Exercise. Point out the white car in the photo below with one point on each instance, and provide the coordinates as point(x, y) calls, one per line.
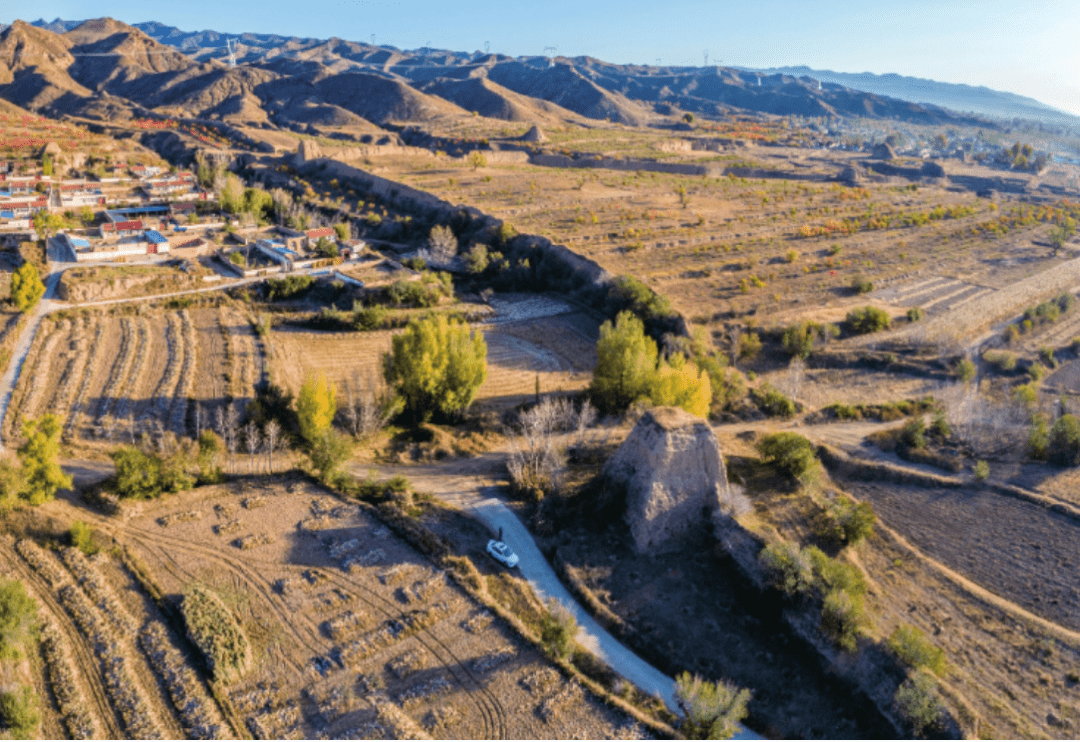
point(502, 553)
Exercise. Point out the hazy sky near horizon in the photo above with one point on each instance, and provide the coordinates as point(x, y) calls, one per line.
point(1028, 48)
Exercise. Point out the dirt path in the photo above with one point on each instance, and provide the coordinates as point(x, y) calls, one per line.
point(22, 345)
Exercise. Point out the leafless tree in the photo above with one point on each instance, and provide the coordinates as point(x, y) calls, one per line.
point(369, 405)
point(583, 421)
point(108, 427)
point(273, 440)
point(794, 377)
point(253, 441)
point(230, 424)
point(992, 429)
point(442, 245)
point(283, 203)
point(536, 458)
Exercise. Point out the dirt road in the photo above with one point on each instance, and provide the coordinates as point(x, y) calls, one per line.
point(22, 345)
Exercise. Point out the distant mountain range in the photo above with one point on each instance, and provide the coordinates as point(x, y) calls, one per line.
point(106, 69)
point(957, 97)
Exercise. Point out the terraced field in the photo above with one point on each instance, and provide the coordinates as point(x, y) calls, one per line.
point(111, 375)
point(114, 667)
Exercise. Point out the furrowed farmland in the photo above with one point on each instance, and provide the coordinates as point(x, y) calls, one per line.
point(350, 632)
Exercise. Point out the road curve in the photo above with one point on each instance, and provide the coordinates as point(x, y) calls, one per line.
point(484, 503)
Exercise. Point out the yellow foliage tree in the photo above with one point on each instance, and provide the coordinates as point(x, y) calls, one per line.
point(316, 406)
point(679, 384)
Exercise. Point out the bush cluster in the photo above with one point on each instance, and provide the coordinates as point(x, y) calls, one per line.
point(788, 454)
point(884, 412)
point(773, 402)
point(809, 572)
point(846, 522)
point(865, 320)
point(915, 651)
point(216, 632)
point(798, 340)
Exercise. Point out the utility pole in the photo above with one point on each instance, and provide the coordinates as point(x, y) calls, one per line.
point(487, 47)
point(705, 54)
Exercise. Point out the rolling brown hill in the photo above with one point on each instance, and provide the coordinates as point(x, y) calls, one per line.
point(107, 69)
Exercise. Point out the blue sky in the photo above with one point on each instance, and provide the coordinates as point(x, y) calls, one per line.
point(1028, 48)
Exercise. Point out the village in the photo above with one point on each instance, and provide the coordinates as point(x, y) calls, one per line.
point(147, 214)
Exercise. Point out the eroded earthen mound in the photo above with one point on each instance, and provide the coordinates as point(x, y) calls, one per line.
point(673, 474)
point(534, 135)
point(882, 151)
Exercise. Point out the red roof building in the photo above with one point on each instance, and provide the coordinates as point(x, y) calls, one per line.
point(314, 234)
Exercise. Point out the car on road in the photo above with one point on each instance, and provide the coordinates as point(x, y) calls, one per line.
point(502, 553)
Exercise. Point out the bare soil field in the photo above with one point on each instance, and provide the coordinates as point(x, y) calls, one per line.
point(354, 634)
point(527, 340)
point(1018, 550)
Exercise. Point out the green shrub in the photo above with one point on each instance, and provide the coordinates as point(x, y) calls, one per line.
point(18, 619)
point(1027, 394)
point(798, 340)
point(913, 434)
point(143, 475)
point(788, 454)
point(632, 295)
point(843, 618)
point(290, 287)
point(917, 700)
point(939, 428)
point(834, 574)
point(854, 519)
point(82, 538)
point(790, 570)
point(215, 631)
point(1003, 360)
point(965, 370)
point(1046, 355)
point(557, 629)
point(914, 314)
point(477, 258)
point(865, 320)
point(368, 318)
point(861, 285)
point(710, 710)
point(912, 648)
point(1038, 443)
point(1063, 447)
point(19, 712)
point(749, 346)
point(773, 402)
